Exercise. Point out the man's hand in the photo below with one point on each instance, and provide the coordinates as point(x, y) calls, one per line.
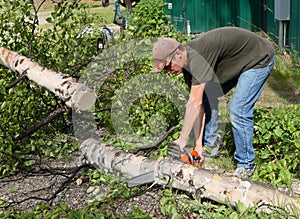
point(199, 149)
point(181, 143)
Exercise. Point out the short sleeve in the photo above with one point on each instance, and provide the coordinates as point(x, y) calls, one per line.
point(199, 68)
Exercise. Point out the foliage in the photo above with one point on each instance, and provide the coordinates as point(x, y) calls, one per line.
point(287, 69)
point(277, 141)
point(149, 19)
point(134, 104)
point(150, 114)
point(22, 106)
point(61, 211)
point(146, 111)
point(66, 47)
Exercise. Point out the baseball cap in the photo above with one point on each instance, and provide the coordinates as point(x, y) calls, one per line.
point(163, 48)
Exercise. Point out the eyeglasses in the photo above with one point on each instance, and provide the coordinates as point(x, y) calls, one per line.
point(168, 67)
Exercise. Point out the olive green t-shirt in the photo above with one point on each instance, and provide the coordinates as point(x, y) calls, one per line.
point(225, 52)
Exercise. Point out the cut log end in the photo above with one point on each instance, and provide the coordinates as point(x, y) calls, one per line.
point(84, 100)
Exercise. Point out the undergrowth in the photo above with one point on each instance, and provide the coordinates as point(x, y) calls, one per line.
point(276, 137)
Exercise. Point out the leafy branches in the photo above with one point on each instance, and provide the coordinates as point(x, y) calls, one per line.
point(58, 48)
point(149, 19)
point(277, 139)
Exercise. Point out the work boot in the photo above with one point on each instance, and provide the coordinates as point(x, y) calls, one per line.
point(211, 151)
point(243, 172)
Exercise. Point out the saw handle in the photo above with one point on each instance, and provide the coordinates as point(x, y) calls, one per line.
point(189, 154)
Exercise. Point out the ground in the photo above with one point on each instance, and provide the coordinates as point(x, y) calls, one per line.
point(61, 181)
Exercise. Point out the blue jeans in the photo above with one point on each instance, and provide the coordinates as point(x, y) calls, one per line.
point(249, 86)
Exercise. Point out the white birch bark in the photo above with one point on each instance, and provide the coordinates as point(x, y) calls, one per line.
point(223, 188)
point(75, 95)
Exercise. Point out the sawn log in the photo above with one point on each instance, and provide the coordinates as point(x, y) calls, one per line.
point(75, 95)
point(223, 188)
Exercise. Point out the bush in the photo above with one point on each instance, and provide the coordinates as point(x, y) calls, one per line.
point(277, 143)
point(149, 19)
point(58, 48)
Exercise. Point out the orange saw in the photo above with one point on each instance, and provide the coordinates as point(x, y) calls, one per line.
point(188, 156)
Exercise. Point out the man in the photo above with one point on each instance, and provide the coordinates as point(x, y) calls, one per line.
point(212, 65)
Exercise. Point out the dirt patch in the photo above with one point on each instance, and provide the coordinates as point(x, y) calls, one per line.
point(63, 182)
point(49, 3)
point(48, 182)
point(276, 98)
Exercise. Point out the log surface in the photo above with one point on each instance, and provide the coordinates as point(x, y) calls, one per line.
point(223, 188)
point(75, 95)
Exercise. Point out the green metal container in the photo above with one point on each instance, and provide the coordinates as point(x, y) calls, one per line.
point(199, 16)
point(294, 30)
point(203, 15)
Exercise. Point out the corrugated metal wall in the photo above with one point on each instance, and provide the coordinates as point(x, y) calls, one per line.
point(204, 15)
point(294, 30)
point(208, 14)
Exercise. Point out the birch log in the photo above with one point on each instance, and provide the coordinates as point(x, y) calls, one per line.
point(223, 188)
point(75, 95)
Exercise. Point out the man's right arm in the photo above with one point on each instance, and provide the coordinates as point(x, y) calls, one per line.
point(194, 111)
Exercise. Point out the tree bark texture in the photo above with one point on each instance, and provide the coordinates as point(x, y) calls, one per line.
point(223, 188)
point(75, 95)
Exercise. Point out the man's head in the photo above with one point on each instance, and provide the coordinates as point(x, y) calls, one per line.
point(168, 55)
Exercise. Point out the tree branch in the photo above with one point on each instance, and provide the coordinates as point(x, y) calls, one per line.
point(34, 128)
point(155, 144)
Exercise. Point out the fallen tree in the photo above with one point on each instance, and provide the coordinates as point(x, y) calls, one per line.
point(138, 170)
point(223, 188)
point(75, 95)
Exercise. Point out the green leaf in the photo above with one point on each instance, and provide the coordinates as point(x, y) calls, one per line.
point(3, 105)
point(292, 129)
point(27, 163)
point(168, 192)
point(297, 143)
point(265, 154)
point(233, 215)
point(176, 135)
point(175, 215)
point(278, 132)
point(49, 20)
point(241, 207)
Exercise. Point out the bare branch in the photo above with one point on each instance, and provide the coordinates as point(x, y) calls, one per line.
point(155, 144)
point(34, 128)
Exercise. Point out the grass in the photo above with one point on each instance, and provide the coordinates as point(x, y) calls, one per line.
point(48, 4)
point(284, 83)
point(101, 15)
point(106, 13)
point(288, 71)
